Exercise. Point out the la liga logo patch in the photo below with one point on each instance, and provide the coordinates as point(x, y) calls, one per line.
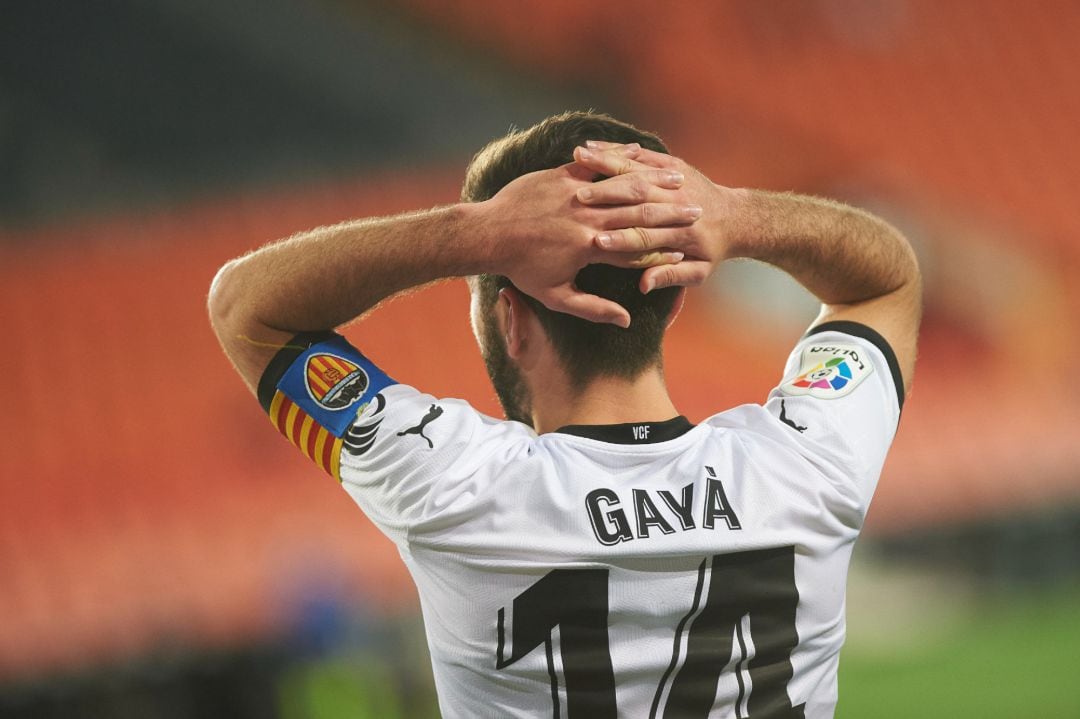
point(334, 382)
point(829, 371)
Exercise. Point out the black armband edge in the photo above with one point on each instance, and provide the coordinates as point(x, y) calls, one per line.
point(857, 329)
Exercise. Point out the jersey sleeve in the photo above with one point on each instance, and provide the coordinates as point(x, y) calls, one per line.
point(407, 458)
point(839, 402)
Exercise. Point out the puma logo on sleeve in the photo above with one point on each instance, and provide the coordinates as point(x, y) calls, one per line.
point(432, 414)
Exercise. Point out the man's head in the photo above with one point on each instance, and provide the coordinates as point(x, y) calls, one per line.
point(585, 350)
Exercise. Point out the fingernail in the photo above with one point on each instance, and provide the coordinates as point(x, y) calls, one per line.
point(624, 322)
point(603, 239)
point(585, 193)
point(677, 256)
point(692, 211)
point(649, 284)
point(591, 144)
point(633, 147)
point(585, 154)
point(675, 176)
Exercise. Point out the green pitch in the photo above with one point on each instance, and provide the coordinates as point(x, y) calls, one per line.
point(1019, 658)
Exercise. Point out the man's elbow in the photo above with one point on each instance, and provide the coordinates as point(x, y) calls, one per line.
point(224, 300)
point(908, 262)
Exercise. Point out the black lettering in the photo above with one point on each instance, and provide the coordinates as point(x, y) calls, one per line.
point(685, 510)
point(648, 515)
point(717, 506)
point(839, 351)
point(761, 584)
point(601, 520)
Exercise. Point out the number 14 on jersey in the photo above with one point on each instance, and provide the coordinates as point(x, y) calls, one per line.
point(741, 600)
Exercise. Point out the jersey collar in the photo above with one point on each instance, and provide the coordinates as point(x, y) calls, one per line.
point(631, 432)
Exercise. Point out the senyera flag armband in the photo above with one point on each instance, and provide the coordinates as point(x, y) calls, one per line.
point(314, 388)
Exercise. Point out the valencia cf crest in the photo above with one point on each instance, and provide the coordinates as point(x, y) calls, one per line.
point(334, 382)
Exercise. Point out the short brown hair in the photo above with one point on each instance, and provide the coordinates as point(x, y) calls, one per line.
point(588, 350)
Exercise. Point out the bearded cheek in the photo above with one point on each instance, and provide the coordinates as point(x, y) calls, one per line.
point(505, 377)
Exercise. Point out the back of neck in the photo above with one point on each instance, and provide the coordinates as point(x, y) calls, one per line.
point(606, 400)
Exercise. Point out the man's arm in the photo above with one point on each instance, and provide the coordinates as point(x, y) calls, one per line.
point(860, 267)
point(534, 231)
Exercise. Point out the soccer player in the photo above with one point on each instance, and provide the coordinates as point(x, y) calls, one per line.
point(596, 554)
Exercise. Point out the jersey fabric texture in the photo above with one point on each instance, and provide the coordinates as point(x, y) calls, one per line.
point(652, 569)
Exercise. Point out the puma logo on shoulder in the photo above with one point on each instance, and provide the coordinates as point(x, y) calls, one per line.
point(432, 414)
point(788, 422)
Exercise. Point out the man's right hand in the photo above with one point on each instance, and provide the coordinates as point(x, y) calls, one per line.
point(860, 267)
point(705, 244)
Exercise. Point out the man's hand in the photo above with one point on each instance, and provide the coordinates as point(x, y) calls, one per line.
point(541, 234)
point(860, 267)
point(705, 243)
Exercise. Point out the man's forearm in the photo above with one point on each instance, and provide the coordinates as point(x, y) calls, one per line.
point(860, 267)
point(325, 277)
point(841, 254)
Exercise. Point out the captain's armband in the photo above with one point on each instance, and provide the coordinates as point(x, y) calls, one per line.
point(314, 388)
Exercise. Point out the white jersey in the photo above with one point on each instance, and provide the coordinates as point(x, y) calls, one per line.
point(655, 569)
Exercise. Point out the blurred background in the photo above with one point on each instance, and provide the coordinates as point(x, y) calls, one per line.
point(164, 553)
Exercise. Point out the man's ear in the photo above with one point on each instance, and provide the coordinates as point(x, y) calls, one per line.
point(515, 321)
point(676, 307)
